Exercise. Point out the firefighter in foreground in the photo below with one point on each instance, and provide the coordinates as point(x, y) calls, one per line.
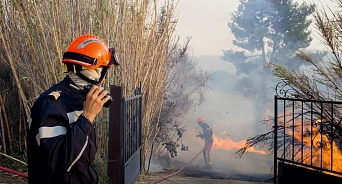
point(61, 140)
point(207, 135)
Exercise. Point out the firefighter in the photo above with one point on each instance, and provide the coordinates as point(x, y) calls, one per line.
point(207, 135)
point(61, 139)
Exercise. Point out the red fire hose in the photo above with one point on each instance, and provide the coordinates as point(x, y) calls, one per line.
point(179, 169)
point(162, 179)
point(14, 172)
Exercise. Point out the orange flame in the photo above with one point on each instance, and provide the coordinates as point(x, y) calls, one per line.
point(229, 144)
point(330, 156)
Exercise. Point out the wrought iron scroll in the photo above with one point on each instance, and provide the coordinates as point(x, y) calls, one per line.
point(285, 90)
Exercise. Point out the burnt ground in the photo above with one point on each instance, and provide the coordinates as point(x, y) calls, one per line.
point(188, 175)
point(225, 169)
point(194, 173)
point(207, 173)
point(199, 171)
point(198, 177)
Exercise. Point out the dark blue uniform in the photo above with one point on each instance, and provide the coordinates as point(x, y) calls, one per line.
point(61, 143)
point(207, 135)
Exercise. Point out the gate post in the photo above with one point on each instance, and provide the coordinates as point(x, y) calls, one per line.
point(275, 167)
point(115, 151)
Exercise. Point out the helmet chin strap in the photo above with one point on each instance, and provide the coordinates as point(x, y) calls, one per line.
point(103, 73)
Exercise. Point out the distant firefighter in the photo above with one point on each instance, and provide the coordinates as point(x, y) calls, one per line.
point(207, 135)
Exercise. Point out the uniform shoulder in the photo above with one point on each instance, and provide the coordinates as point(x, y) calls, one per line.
point(206, 125)
point(54, 95)
point(56, 92)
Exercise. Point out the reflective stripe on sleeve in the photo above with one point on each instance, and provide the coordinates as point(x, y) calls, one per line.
point(29, 121)
point(48, 132)
point(73, 116)
point(79, 155)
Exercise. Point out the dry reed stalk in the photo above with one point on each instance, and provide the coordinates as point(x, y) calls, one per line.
point(20, 131)
point(6, 123)
point(135, 28)
point(2, 131)
point(15, 159)
point(146, 69)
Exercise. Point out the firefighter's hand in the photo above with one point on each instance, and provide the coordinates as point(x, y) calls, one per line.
point(94, 102)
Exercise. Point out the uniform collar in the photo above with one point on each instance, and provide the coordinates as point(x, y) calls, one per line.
point(67, 81)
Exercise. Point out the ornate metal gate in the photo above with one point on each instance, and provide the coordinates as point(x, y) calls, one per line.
point(124, 155)
point(308, 140)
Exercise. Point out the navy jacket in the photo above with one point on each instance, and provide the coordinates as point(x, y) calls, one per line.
point(61, 143)
point(207, 133)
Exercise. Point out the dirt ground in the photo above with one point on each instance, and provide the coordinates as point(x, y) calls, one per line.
point(8, 178)
point(152, 178)
point(182, 178)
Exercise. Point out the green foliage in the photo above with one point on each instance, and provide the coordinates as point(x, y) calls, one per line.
point(245, 65)
point(105, 120)
point(278, 26)
point(250, 24)
point(185, 93)
point(101, 166)
point(283, 23)
point(246, 86)
point(289, 25)
point(269, 31)
point(12, 164)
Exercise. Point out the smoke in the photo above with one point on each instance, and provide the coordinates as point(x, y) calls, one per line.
point(232, 117)
point(158, 164)
point(232, 114)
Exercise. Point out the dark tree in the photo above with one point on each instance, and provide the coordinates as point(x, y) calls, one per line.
point(322, 82)
point(267, 31)
point(270, 29)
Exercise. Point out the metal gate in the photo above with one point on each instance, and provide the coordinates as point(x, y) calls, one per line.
point(124, 165)
point(308, 140)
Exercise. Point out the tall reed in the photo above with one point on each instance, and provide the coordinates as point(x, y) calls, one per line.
point(34, 35)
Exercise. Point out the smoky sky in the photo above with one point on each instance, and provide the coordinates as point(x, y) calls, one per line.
point(206, 22)
point(231, 114)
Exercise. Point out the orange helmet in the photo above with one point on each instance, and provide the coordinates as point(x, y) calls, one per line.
point(89, 51)
point(200, 119)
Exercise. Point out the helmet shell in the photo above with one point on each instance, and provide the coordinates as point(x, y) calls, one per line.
point(200, 119)
point(88, 51)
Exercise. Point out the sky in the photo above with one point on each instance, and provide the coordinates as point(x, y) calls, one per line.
point(206, 22)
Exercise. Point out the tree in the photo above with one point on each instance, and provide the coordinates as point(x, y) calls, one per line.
point(278, 26)
point(321, 82)
point(268, 31)
point(184, 92)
